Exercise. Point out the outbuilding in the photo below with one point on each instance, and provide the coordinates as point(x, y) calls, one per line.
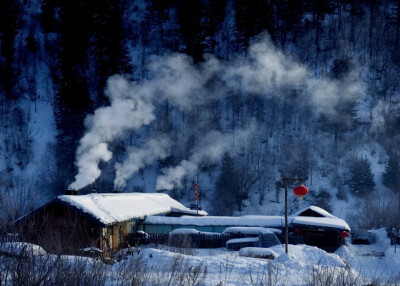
point(103, 221)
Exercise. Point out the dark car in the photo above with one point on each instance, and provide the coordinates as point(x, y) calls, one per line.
point(238, 243)
point(360, 236)
point(255, 237)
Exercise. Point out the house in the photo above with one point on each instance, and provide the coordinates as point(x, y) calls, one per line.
point(317, 227)
point(96, 221)
point(312, 225)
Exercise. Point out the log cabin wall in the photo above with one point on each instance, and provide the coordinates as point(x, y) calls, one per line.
point(58, 229)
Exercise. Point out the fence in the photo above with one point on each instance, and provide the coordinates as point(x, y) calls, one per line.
point(199, 240)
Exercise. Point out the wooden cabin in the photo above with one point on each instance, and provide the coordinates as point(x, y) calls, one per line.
point(98, 221)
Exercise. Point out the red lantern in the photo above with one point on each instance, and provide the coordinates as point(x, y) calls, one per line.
point(300, 191)
point(344, 234)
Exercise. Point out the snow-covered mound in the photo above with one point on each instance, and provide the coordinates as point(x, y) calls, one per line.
point(18, 249)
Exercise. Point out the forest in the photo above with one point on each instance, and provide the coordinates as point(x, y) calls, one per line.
point(147, 95)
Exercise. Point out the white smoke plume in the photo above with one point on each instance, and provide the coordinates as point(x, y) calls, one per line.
point(265, 68)
point(211, 148)
point(127, 112)
point(139, 158)
point(325, 95)
point(264, 71)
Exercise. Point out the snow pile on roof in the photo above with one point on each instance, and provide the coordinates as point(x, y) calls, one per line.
point(335, 223)
point(325, 220)
point(248, 230)
point(315, 209)
point(318, 217)
point(110, 208)
point(188, 231)
point(248, 220)
point(242, 240)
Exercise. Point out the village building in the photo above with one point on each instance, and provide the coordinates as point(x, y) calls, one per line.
point(312, 225)
point(101, 221)
point(105, 221)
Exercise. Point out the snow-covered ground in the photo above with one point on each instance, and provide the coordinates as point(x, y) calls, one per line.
point(301, 266)
point(163, 265)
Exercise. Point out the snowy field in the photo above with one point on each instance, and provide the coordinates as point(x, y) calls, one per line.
point(374, 264)
point(303, 265)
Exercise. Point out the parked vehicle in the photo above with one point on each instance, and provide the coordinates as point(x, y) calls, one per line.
point(360, 236)
point(253, 237)
point(188, 237)
point(238, 243)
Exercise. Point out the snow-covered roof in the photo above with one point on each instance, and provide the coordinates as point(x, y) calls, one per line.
point(318, 217)
point(188, 231)
point(315, 216)
point(327, 222)
point(250, 230)
point(110, 208)
point(315, 209)
point(248, 220)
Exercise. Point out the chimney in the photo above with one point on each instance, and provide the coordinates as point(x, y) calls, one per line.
point(71, 192)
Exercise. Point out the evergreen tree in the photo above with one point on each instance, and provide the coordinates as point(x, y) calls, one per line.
point(214, 15)
point(391, 175)
point(252, 18)
point(48, 16)
point(164, 29)
point(318, 9)
point(226, 187)
point(361, 180)
point(290, 14)
point(323, 200)
point(344, 117)
point(108, 47)
point(190, 16)
point(73, 102)
point(9, 22)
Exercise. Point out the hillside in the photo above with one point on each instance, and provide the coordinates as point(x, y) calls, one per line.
point(145, 95)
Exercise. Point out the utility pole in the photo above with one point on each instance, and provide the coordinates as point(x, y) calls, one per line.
point(286, 181)
point(196, 194)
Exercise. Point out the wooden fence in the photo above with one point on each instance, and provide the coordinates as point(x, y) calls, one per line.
point(199, 240)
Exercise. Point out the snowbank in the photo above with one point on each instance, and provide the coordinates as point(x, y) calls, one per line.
point(257, 252)
point(21, 249)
